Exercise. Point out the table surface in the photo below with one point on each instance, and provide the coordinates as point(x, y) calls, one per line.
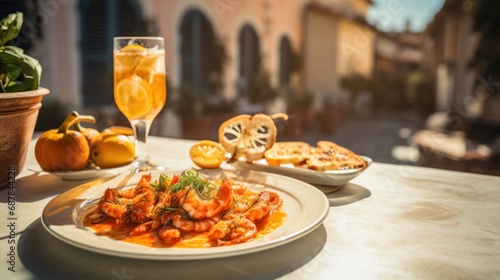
point(392, 221)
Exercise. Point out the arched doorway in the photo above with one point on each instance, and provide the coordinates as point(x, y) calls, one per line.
point(285, 62)
point(249, 60)
point(197, 41)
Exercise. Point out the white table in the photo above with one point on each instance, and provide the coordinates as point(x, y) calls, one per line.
point(390, 222)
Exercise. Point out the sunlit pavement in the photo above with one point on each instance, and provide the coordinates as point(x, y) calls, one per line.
point(385, 138)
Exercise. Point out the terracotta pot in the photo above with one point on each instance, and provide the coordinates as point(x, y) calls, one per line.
point(18, 115)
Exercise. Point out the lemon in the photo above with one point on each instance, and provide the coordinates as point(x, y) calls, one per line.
point(207, 154)
point(134, 97)
point(112, 150)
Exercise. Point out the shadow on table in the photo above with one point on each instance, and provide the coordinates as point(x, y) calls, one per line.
point(47, 185)
point(347, 194)
point(48, 258)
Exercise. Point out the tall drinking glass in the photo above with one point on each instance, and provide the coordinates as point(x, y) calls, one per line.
point(140, 88)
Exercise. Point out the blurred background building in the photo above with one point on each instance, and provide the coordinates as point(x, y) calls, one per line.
point(330, 64)
point(222, 55)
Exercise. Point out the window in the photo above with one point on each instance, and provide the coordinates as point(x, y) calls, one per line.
point(197, 41)
point(30, 28)
point(249, 58)
point(286, 60)
point(100, 22)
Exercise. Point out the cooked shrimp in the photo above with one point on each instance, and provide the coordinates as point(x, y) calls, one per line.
point(239, 188)
point(189, 225)
point(128, 193)
point(112, 204)
point(266, 204)
point(167, 207)
point(116, 211)
point(234, 231)
point(244, 198)
point(142, 228)
point(169, 234)
point(258, 211)
point(162, 213)
point(272, 198)
point(242, 203)
point(140, 209)
point(143, 187)
point(199, 208)
point(143, 202)
point(219, 231)
point(114, 196)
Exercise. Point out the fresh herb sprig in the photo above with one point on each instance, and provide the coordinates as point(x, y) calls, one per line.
point(191, 179)
point(162, 183)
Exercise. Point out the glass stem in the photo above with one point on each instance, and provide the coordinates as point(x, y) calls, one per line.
point(141, 130)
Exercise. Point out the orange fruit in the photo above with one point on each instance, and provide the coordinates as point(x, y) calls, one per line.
point(134, 97)
point(207, 154)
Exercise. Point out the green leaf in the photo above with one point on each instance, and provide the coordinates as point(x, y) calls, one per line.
point(18, 72)
point(10, 26)
point(11, 59)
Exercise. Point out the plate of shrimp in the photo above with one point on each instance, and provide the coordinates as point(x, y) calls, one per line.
point(185, 215)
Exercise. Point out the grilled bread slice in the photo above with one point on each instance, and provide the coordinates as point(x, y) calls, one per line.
point(294, 152)
point(330, 156)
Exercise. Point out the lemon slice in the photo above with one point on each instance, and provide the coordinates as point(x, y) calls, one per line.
point(134, 97)
point(127, 59)
point(148, 63)
point(133, 48)
point(207, 154)
point(146, 67)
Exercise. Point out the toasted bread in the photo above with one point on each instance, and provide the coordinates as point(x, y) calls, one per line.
point(295, 153)
point(330, 156)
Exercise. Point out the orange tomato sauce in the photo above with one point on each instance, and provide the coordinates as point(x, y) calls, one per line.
point(105, 226)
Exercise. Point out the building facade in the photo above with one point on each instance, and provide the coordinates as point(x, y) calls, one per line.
point(306, 45)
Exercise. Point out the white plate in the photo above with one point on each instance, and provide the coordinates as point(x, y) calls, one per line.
point(328, 178)
point(306, 208)
point(91, 172)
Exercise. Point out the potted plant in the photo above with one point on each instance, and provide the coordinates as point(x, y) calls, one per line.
point(20, 99)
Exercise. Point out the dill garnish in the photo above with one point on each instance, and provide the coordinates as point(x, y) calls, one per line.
point(162, 183)
point(166, 209)
point(192, 179)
